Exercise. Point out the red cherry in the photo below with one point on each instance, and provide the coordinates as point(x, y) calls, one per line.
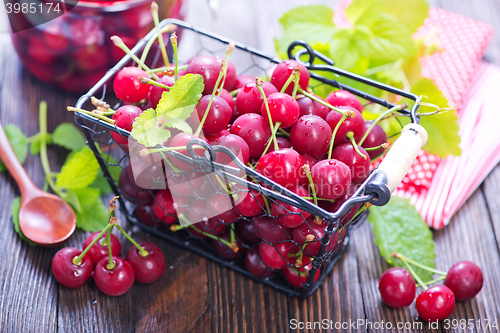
point(208, 68)
point(124, 118)
point(237, 145)
point(164, 207)
point(228, 98)
point(282, 108)
point(311, 135)
point(375, 138)
point(281, 166)
point(149, 268)
point(145, 214)
point(465, 279)
point(268, 229)
point(308, 106)
point(253, 129)
point(66, 272)
point(249, 99)
point(230, 74)
point(256, 266)
point(297, 277)
point(223, 250)
point(355, 125)
point(344, 98)
point(397, 287)
point(282, 143)
point(181, 140)
point(131, 191)
point(279, 255)
point(243, 80)
point(127, 86)
point(311, 161)
point(435, 303)
point(360, 168)
point(218, 116)
point(100, 248)
point(40, 52)
point(156, 92)
point(331, 179)
point(290, 216)
point(215, 138)
point(282, 72)
point(246, 232)
point(251, 205)
point(116, 281)
point(54, 37)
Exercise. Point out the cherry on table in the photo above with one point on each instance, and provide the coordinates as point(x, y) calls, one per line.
point(253, 129)
point(360, 167)
point(311, 135)
point(375, 138)
point(268, 229)
point(279, 255)
point(256, 266)
point(208, 68)
point(344, 98)
point(331, 179)
point(148, 268)
point(297, 277)
point(66, 272)
point(397, 287)
point(282, 72)
point(465, 279)
point(127, 86)
point(283, 109)
point(290, 216)
point(435, 303)
point(355, 125)
point(249, 98)
point(116, 281)
point(281, 166)
point(100, 249)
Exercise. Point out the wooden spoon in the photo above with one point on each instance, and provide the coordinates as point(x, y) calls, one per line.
point(44, 218)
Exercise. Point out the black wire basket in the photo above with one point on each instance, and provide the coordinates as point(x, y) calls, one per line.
point(377, 189)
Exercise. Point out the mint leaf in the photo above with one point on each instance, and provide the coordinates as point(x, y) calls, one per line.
point(179, 124)
point(79, 171)
point(17, 140)
point(442, 128)
point(363, 11)
point(73, 201)
point(411, 13)
point(147, 131)
point(398, 227)
point(35, 144)
point(180, 100)
point(347, 46)
point(16, 205)
point(68, 136)
point(93, 215)
point(102, 183)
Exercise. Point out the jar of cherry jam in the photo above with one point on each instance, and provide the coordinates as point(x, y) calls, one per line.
point(74, 50)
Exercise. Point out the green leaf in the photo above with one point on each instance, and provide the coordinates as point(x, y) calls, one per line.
point(73, 201)
point(16, 205)
point(347, 46)
point(180, 100)
point(17, 140)
point(442, 128)
point(146, 130)
point(102, 183)
point(411, 13)
point(398, 227)
point(363, 11)
point(68, 136)
point(79, 171)
point(93, 215)
point(35, 144)
point(179, 124)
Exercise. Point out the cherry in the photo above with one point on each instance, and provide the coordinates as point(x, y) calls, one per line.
point(116, 281)
point(127, 86)
point(344, 98)
point(397, 287)
point(237, 145)
point(311, 161)
point(100, 248)
point(308, 106)
point(131, 191)
point(247, 232)
point(249, 99)
point(268, 229)
point(201, 211)
point(331, 179)
point(218, 116)
point(316, 230)
point(435, 303)
point(290, 216)
point(228, 98)
point(215, 138)
point(54, 37)
point(279, 255)
point(124, 118)
point(375, 138)
point(297, 277)
point(181, 140)
point(311, 135)
point(251, 205)
point(223, 250)
point(355, 125)
point(230, 74)
point(256, 266)
point(281, 166)
point(282, 143)
point(145, 214)
point(192, 184)
point(282, 72)
point(38, 51)
point(91, 58)
point(164, 207)
point(208, 68)
point(242, 80)
point(253, 129)
point(283, 109)
point(360, 167)
point(156, 92)
point(150, 267)
point(332, 207)
point(465, 279)
point(66, 272)
point(223, 208)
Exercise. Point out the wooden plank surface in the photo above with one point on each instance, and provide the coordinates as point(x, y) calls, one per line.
point(196, 295)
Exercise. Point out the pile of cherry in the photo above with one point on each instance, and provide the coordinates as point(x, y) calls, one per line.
point(462, 282)
point(101, 259)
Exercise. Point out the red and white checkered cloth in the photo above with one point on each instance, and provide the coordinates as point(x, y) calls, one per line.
point(439, 187)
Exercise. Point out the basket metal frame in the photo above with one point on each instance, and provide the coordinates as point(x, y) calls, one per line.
point(273, 190)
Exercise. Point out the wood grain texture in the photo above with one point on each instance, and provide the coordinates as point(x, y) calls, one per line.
point(195, 295)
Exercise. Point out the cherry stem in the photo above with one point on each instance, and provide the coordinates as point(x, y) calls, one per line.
point(235, 92)
point(145, 52)
point(307, 170)
point(224, 185)
point(223, 241)
point(173, 41)
point(269, 142)
point(382, 116)
point(232, 236)
point(290, 79)
point(296, 72)
point(311, 198)
point(147, 80)
point(147, 151)
point(165, 69)
point(156, 19)
point(266, 202)
point(350, 135)
point(78, 260)
point(119, 43)
point(111, 264)
point(298, 261)
point(410, 269)
point(384, 145)
point(441, 278)
point(285, 133)
point(334, 134)
point(106, 119)
point(173, 167)
point(205, 115)
point(142, 251)
point(258, 83)
point(414, 263)
point(229, 49)
point(319, 100)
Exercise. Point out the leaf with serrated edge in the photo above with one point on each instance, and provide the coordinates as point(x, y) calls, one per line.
point(94, 215)
point(16, 205)
point(79, 171)
point(17, 140)
point(398, 227)
point(363, 11)
point(179, 124)
point(68, 136)
point(179, 101)
point(146, 129)
point(72, 200)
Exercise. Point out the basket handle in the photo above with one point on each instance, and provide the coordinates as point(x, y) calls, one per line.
point(396, 163)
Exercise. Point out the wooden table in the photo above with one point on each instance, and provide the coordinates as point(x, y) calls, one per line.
point(196, 295)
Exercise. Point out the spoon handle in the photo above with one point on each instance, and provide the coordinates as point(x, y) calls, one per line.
point(15, 168)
